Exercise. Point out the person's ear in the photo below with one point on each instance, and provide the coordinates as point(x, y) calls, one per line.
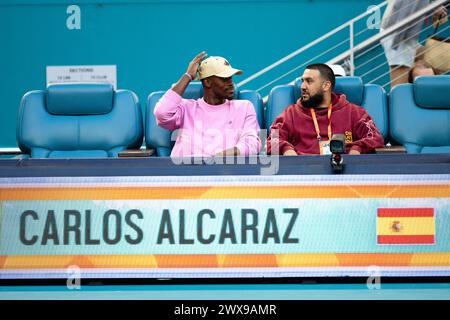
point(207, 83)
point(326, 86)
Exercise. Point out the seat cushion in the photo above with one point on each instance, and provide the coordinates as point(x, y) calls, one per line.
point(432, 92)
point(79, 99)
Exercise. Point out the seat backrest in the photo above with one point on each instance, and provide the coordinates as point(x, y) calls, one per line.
point(370, 96)
point(419, 114)
point(160, 139)
point(79, 121)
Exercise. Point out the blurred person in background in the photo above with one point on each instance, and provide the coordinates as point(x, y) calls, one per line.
point(401, 46)
point(420, 68)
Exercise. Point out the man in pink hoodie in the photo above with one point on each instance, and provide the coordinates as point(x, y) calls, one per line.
point(307, 126)
point(214, 125)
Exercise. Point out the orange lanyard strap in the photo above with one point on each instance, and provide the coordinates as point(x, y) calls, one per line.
point(316, 125)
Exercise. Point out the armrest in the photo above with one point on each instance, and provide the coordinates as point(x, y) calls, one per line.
point(390, 150)
point(139, 153)
point(10, 151)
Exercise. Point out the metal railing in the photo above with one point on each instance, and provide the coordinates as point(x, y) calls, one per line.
point(356, 49)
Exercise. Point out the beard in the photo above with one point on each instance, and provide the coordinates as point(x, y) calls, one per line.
point(313, 101)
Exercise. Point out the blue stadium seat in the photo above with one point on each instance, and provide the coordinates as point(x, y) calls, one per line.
point(369, 96)
point(159, 139)
point(79, 121)
point(419, 115)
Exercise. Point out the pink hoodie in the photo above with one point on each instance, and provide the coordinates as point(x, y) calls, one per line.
point(208, 129)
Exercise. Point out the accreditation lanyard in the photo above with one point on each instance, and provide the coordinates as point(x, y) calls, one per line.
point(316, 125)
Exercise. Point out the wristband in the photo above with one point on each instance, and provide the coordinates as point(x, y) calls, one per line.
point(188, 75)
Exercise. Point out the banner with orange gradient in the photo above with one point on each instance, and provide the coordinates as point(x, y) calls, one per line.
point(225, 226)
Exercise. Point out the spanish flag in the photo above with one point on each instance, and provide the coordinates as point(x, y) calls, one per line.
point(406, 226)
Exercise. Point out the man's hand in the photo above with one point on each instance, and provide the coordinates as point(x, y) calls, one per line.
point(193, 65)
point(228, 152)
point(184, 81)
point(290, 153)
point(352, 151)
point(440, 16)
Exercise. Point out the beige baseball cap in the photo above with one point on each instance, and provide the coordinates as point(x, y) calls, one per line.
point(216, 66)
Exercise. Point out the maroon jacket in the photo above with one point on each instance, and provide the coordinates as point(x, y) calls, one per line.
point(297, 132)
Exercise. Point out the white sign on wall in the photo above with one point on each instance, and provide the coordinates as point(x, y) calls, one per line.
point(64, 74)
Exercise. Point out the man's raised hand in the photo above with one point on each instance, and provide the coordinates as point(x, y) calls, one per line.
point(193, 65)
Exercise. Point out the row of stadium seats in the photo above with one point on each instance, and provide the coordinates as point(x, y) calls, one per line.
point(93, 120)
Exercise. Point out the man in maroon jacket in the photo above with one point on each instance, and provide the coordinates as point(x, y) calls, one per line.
point(307, 126)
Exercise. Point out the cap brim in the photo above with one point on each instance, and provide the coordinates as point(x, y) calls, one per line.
point(228, 73)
